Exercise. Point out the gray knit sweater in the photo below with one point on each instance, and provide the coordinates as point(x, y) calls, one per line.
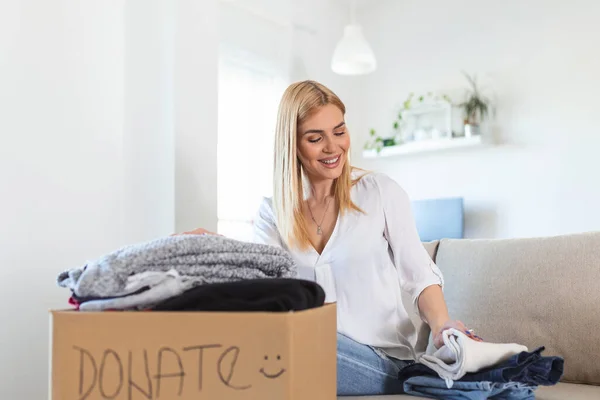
point(199, 259)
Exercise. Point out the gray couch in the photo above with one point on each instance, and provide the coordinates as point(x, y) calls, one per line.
point(534, 291)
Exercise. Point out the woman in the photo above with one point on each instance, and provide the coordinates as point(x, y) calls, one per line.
point(354, 234)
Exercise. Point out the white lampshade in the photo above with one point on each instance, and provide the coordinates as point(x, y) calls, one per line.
point(353, 55)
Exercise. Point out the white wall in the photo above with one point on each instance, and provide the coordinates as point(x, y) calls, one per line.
point(542, 59)
point(149, 140)
point(61, 163)
point(311, 29)
point(195, 119)
point(87, 162)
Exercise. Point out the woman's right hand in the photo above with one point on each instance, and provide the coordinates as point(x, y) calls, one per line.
point(197, 231)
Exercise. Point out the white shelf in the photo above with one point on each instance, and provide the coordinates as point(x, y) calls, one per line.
point(425, 146)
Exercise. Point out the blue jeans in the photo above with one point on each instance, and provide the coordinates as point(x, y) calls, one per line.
point(435, 388)
point(364, 370)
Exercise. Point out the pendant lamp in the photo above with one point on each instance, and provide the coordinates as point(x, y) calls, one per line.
point(353, 55)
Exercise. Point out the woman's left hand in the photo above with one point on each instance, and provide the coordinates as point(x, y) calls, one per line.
point(197, 231)
point(438, 340)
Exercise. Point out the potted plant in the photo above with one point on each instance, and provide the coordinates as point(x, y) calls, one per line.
point(378, 143)
point(475, 106)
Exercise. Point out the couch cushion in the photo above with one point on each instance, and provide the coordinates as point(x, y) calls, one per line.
point(562, 391)
point(568, 391)
point(431, 248)
point(534, 291)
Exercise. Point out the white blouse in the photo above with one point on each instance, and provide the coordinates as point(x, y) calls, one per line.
point(369, 264)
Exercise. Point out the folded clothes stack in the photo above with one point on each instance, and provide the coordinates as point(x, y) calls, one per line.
point(191, 272)
point(470, 369)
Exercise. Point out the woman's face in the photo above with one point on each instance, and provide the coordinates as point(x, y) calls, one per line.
point(323, 143)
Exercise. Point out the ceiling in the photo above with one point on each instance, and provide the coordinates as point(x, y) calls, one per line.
point(361, 5)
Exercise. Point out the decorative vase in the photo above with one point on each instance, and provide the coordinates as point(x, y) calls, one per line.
point(471, 130)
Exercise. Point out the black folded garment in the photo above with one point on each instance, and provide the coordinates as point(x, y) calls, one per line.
point(275, 294)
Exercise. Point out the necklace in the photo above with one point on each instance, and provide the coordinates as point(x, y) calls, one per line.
point(319, 230)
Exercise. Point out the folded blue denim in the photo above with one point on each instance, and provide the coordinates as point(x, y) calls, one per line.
point(435, 388)
point(527, 367)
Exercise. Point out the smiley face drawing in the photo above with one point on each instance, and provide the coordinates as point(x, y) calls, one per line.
point(272, 375)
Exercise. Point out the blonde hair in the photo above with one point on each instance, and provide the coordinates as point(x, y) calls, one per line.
point(299, 101)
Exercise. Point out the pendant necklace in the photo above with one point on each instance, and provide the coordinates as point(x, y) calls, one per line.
point(319, 230)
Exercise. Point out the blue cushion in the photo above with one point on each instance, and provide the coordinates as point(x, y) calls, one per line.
point(439, 218)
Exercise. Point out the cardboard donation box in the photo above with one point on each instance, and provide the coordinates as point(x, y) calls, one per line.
point(150, 355)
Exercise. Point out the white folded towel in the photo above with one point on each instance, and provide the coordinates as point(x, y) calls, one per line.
point(461, 354)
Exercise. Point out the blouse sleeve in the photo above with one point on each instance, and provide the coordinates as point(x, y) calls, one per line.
point(416, 269)
point(264, 227)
